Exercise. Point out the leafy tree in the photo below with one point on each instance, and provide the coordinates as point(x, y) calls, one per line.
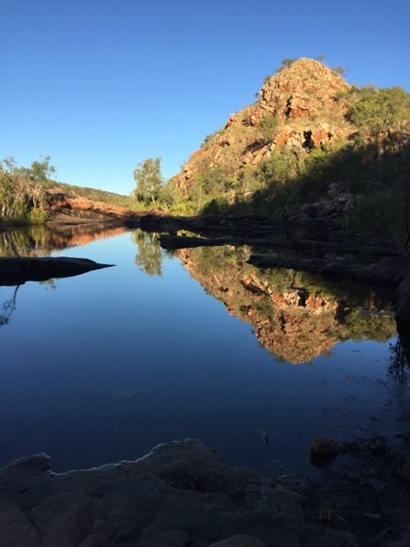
point(22, 189)
point(149, 180)
point(286, 63)
point(378, 111)
point(210, 182)
point(375, 110)
point(268, 127)
point(41, 171)
point(340, 70)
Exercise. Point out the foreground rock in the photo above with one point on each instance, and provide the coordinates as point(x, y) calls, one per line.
point(18, 270)
point(179, 494)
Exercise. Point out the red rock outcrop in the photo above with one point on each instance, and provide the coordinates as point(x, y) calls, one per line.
point(302, 99)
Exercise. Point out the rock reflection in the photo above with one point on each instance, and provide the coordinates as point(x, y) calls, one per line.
point(295, 315)
point(42, 239)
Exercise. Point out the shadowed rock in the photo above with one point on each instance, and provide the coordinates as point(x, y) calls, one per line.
point(180, 494)
point(16, 270)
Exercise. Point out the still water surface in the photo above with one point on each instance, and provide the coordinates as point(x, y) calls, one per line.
point(102, 367)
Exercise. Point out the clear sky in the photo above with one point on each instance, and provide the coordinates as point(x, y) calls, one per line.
point(100, 85)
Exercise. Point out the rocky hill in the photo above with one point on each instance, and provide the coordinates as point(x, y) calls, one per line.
point(299, 108)
point(310, 147)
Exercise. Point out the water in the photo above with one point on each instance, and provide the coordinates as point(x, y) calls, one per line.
point(102, 367)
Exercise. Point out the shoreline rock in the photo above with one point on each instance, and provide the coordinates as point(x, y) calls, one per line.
point(181, 493)
point(18, 270)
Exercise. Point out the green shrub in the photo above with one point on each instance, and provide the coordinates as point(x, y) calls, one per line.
point(37, 216)
point(382, 215)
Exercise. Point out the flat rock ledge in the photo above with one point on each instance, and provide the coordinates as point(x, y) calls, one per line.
point(181, 494)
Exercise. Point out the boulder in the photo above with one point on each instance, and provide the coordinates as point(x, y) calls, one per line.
point(239, 541)
point(322, 447)
point(180, 493)
point(391, 269)
point(18, 270)
point(404, 472)
point(305, 227)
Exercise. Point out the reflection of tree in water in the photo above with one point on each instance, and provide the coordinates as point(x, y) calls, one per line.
point(25, 241)
point(149, 257)
point(51, 283)
point(8, 308)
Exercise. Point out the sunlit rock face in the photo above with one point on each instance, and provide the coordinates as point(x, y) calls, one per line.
point(295, 315)
point(302, 99)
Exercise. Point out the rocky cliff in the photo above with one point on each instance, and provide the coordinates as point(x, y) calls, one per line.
point(299, 107)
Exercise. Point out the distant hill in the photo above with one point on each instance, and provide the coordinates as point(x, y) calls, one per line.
point(90, 193)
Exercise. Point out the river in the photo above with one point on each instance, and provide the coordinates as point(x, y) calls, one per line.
point(101, 367)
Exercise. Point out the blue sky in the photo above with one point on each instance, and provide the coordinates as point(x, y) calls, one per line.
point(100, 85)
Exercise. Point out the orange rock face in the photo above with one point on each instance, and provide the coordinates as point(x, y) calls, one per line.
point(302, 99)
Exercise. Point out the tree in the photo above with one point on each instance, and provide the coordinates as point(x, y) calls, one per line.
point(22, 189)
point(149, 180)
point(377, 110)
point(42, 171)
point(340, 70)
point(286, 63)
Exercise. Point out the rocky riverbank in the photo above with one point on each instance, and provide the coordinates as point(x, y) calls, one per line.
point(182, 494)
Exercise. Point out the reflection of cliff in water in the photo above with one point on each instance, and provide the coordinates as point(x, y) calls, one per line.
point(41, 240)
point(296, 316)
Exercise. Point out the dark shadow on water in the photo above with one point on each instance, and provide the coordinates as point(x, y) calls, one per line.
point(399, 366)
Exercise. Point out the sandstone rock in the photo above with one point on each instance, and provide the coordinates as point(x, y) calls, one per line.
point(175, 538)
point(180, 493)
point(30, 464)
point(300, 98)
point(304, 227)
point(391, 269)
point(18, 270)
point(404, 472)
point(239, 541)
point(324, 447)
